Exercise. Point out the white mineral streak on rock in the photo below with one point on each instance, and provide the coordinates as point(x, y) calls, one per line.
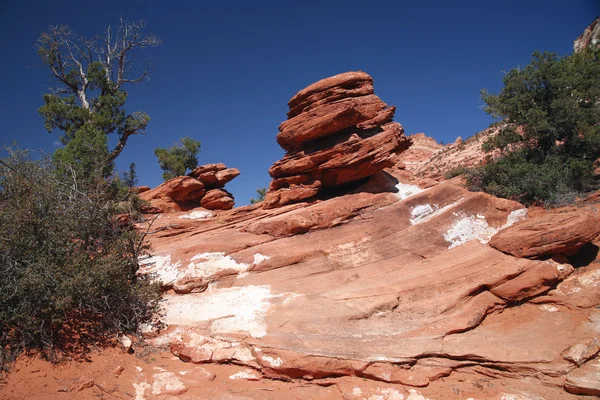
point(167, 383)
point(405, 190)
point(467, 228)
point(258, 258)
point(273, 361)
point(425, 212)
point(198, 215)
point(161, 268)
point(231, 309)
point(140, 390)
point(470, 227)
point(248, 374)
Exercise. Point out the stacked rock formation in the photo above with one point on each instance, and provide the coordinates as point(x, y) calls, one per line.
point(337, 132)
point(203, 187)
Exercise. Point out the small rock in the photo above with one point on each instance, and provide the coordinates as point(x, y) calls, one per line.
point(86, 384)
point(126, 343)
point(117, 372)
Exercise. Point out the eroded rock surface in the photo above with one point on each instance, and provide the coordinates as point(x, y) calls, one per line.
point(400, 289)
point(202, 187)
point(338, 132)
point(548, 234)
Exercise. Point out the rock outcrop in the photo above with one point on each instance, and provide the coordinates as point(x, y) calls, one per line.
point(589, 37)
point(203, 187)
point(423, 149)
point(380, 292)
point(548, 234)
point(338, 132)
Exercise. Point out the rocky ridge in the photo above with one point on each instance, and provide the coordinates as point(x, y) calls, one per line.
point(338, 132)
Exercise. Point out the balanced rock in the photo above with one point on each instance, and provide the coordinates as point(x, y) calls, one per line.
point(201, 187)
point(338, 131)
point(548, 234)
point(214, 176)
point(217, 199)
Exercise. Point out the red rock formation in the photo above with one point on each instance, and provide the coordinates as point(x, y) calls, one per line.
point(202, 187)
point(590, 36)
point(367, 290)
point(548, 234)
point(423, 149)
point(337, 132)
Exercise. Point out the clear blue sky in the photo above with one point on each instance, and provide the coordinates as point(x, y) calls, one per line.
point(226, 69)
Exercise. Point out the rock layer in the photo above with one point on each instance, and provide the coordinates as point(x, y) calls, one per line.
point(201, 187)
point(338, 132)
point(548, 234)
point(397, 289)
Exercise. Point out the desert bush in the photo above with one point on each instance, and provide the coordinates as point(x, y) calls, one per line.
point(544, 180)
point(556, 102)
point(260, 196)
point(68, 267)
point(460, 170)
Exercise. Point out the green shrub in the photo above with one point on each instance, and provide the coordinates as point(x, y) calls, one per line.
point(260, 196)
point(544, 180)
point(68, 266)
point(460, 170)
point(556, 102)
point(177, 159)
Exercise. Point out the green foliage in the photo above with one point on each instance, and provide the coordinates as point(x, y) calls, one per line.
point(87, 102)
point(520, 176)
point(130, 177)
point(260, 196)
point(505, 138)
point(68, 265)
point(178, 158)
point(460, 170)
point(556, 101)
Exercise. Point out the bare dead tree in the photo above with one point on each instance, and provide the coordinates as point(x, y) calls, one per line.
point(90, 67)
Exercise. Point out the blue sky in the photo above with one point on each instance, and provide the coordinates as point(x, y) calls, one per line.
point(226, 69)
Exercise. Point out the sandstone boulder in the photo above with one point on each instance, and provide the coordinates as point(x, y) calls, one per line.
point(585, 380)
point(551, 233)
point(217, 199)
point(338, 132)
point(201, 187)
point(214, 176)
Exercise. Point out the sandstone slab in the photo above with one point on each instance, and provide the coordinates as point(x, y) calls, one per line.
point(552, 233)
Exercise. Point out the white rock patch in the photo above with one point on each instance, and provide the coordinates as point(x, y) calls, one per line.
point(356, 391)
point(425, 212)
point(161, 268)
point(548, 307)
point(246, 374)
point(414, 395)
point(200, 214)
point(469, 228)
point(405, 190)
point(258, 258)
point(232, 309)
point(167, 383)
point(387, 394)
point(206, 265)
point(514, 217)
point(140, 390)
point(273, 361)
